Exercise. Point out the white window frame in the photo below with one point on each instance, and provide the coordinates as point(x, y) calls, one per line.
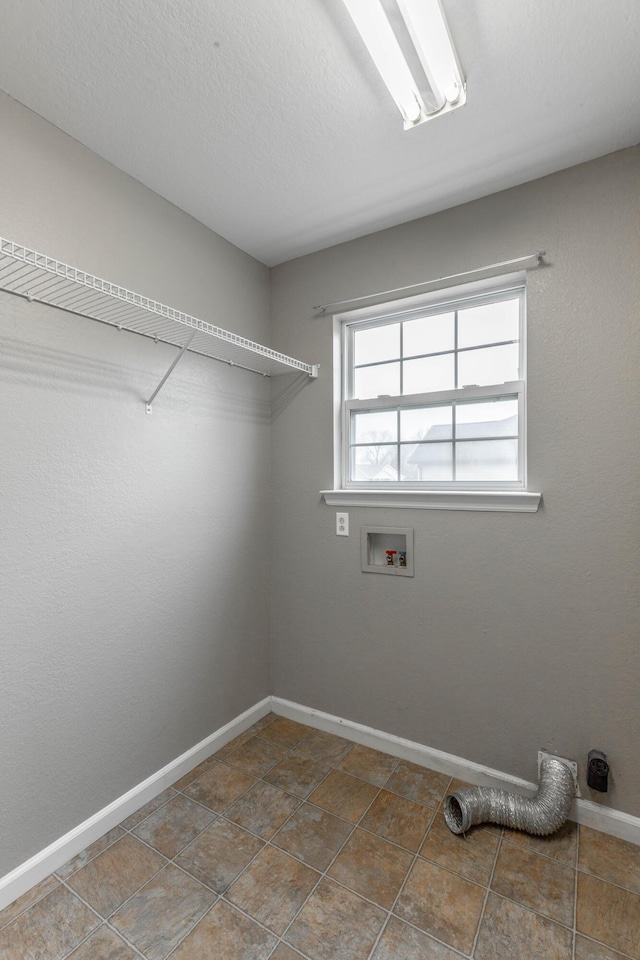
point(480, 495)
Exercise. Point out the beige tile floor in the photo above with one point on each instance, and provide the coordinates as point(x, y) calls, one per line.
point(293, 844)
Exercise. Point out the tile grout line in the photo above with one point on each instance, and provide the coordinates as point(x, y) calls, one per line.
point(543, 916)
point(218, 896)
point(38, 900)
point(287, 754)
point(266, 843)
point(610, 883)
point(155, 810)
point(545, 856)
point(600, 944)
point(324, 875)
point(441, 867)
point(321, 875)
point(192, 927)
point(103, 921)
point(446, 867)
point(416, 854)
point(235, 800)
point(169, 862)
point(331, 766)
point(518, 903)
point(104, 850)
point(575, 894)
point(280, 939)
point(486, 897)
point(578, 871)
point(258, 779)
point(618, 886)
point(538, 912)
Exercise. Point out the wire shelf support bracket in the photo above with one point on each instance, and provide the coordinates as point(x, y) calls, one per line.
point(185, 347)
point(41, 279)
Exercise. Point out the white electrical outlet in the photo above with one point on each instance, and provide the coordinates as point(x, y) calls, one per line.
point(342, 524)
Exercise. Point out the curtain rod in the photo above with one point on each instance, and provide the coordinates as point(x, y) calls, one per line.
point(400, 292)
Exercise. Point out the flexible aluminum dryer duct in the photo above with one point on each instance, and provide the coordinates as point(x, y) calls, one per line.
point(543, 813)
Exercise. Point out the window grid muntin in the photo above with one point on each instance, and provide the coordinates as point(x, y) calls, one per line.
point(509, 390)
point(455, 382)
point(436, 353)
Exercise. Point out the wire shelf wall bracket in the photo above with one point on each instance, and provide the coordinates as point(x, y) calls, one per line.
point(185, 346)
point(41, 279)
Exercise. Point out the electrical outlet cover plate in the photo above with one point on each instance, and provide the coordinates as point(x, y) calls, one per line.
point(342, 524)
point(572, 764)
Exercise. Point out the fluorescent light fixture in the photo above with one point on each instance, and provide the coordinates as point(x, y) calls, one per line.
point(427, 28)
point(381, 42)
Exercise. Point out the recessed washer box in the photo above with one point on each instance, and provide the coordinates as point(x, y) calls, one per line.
point(387, 550)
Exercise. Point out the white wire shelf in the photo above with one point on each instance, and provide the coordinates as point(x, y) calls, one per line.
point(42, 279)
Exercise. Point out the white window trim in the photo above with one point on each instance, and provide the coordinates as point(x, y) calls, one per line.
point(509, 501)
point(499, 496)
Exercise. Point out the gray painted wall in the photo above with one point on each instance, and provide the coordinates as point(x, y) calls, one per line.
point(129, 544)
point(518, 632)
point(134, 558)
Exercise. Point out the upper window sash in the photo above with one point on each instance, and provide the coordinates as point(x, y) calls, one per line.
point(451, 304)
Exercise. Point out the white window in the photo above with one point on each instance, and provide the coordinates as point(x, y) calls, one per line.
point(433, 394)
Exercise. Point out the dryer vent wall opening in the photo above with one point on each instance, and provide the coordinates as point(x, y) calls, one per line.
point(541, 814)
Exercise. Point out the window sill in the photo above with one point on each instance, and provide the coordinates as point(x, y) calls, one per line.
point(511, 501)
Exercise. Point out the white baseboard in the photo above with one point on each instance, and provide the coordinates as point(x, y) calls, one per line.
point(28, 874)
point(613, 822)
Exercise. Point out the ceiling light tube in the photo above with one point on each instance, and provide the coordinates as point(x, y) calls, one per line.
point(430, 35)
point(381, 42)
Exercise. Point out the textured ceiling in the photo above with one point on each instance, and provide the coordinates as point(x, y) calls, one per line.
point(266, 120)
